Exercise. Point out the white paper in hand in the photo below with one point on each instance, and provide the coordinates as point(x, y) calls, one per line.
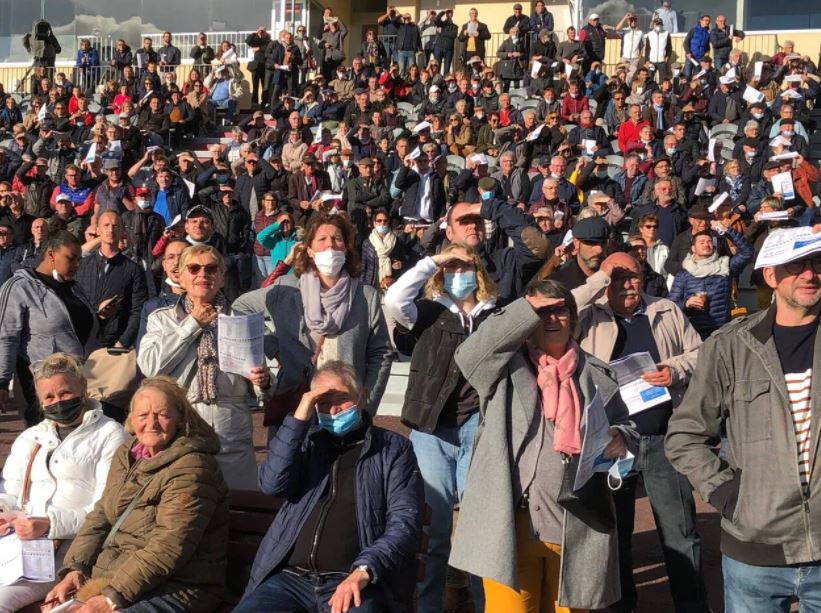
point(32, 560)
point(782, 183)
point(191, 187)
point(637, 394)
point(717, 202)
point(752, 95)
point(240, 342)
point(91, 155)
point(535, 134)
point(534, 70)
point(703, 184)
point(757, 70)
point(595, 434)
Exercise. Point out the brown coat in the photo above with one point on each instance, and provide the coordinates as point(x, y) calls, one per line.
point(803, 176)
point(175, 539)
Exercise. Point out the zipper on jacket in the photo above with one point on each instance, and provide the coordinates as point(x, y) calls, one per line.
point(805, 504)
point(323, 515)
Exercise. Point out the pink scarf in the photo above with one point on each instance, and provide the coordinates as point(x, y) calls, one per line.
point(560, 399)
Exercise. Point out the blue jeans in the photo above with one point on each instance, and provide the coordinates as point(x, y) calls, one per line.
point(674, 510)
point(769, 589)
point(262, 268)
point(444, 458)
point(286, 592)
point(405, 59)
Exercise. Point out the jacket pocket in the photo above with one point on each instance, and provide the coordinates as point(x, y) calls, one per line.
point(753, 411)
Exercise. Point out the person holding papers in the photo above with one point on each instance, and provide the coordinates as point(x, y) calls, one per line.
point(703, 287)
point(181, 341)
point(756, 382)
point(618, 321)
point(56, 470)
point(536, 387)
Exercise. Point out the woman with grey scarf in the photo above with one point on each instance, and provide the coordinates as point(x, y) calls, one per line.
point(181, 342)
point(324, 312)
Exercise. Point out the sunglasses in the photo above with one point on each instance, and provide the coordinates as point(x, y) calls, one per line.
point(210, 269)
point(559, 312)
point(798, 267)
point(651, 226)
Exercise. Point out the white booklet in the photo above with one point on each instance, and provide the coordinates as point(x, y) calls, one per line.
point(637, 394)
point(595, 434)
point(31, 560)
point(240, 342)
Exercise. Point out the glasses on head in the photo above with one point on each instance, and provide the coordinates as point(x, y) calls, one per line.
point(210, 269)
point(797, 267)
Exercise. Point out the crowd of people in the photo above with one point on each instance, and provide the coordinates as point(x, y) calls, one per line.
point(509, 225)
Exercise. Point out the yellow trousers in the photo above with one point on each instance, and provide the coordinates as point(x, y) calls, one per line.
point(538, 573)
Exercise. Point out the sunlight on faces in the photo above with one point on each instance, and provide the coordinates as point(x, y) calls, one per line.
point(624, 290)
point(797, 285)
point(171, 260)
point(327, 236)
point(59, 387)
point(336, 402)
point(201, 277)
point(702, 246)
point(154, 420)
point(468, 229)
point(554, 329)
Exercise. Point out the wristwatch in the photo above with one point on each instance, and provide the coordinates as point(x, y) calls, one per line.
point(365, 569)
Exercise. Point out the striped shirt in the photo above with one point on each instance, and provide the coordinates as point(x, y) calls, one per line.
point(798, 389)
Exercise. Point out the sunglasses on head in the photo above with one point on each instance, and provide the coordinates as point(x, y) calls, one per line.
point(210, 269)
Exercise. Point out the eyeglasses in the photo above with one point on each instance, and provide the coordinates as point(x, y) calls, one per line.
point(650, 226)
point(210, 269)
point(797, 267)
point(5, 233)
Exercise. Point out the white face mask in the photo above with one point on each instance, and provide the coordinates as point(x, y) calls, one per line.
point(515, 39)
point(758, 115)
point(329, 262)
point(670, 150)
point(657, 29)
point(143, 204)
point(57, 276)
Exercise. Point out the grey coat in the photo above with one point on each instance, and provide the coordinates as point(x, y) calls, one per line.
point(363, 342)
point(493, 362)
point(34, 323)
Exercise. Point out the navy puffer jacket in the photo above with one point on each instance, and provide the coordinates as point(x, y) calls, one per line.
point(389, 502)
point(717, 288)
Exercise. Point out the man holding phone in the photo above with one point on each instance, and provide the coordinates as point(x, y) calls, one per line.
point(114, 284)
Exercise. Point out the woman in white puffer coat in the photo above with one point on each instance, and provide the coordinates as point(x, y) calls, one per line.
point(69, 452)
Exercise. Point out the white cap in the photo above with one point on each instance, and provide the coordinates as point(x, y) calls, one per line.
point(62, 198)
point(480, 159)
point(434, 88)
point(422, 125)
point(414, 154)
point(727, 80)
point(593, 16)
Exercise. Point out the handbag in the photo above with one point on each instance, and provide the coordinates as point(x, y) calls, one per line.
point(286, 400)
point(592, 503)
point(112, 376)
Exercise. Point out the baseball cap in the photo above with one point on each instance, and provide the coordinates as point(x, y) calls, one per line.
point(62, 198)
point(142, 191)
point(199, 211)
point(517, 7)
point(592, 229)
point(699, 211)
point(487, 184)
point(593, 16)
point(111, 163)
point(365, 162)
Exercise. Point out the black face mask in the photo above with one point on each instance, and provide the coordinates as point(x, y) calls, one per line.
point(65, 411)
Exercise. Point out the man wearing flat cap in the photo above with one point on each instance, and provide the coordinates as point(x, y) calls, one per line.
point(521, 22)
point(590, 244)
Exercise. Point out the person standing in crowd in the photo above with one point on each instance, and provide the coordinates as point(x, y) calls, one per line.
point(323, 312)
point(350, 545)
point(170, 554)
point(181, 341)
point(658, 48)
point(632, 43)
point(473, 34)
point(275, 236)
point(440, 406)
point(721, 41)
point(756, 383)
point(445, 39)
point(624, 322)
point(593, 37)
point(540, 19)
point(115, 284)
point(332, 46)
point(383, 253)
point(534, 385)
point(258, 41)
point(169, 55)
point(703, 288)
point(43, 311)
point(696, 45)
point(668, 16)
point(56, 471)
point(408, 44)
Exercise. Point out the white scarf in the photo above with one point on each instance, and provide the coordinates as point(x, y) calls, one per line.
point(714, 265)
point(383, 245)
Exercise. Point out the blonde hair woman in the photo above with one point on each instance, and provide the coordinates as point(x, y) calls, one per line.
point(441, 407)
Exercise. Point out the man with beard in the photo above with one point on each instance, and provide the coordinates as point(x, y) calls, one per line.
point(630, 322)
point(754, 384)
point(590, 238)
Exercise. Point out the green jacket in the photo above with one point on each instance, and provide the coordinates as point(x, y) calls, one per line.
point(175, 539)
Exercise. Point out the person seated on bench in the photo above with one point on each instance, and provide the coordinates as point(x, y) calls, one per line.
point(56, 470)
point(351, 526)
point(156, 541)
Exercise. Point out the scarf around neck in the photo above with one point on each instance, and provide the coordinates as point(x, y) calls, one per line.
point(383, 244)
point(715, 265)
point(560, 398)
point(326, 309)
point(207, 356)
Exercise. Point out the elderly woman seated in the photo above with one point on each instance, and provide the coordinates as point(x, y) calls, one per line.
point(56, 470)
point(156, 540)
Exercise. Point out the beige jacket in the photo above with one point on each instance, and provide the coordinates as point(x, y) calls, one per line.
point(677, 340)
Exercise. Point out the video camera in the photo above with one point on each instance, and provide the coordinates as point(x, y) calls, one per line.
point(41, 43)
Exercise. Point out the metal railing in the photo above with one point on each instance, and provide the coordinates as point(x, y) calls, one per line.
point(186, 40)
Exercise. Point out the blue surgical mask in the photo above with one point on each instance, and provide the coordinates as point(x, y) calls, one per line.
point(383, 229)
point(487, 195)
point(619, 471)
point(460, 284)
point(340, 424)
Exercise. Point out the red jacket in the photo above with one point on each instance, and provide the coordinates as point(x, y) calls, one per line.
point(573, 106)
point(628, 132)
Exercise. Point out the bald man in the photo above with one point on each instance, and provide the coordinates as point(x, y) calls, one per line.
point(631, 322)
